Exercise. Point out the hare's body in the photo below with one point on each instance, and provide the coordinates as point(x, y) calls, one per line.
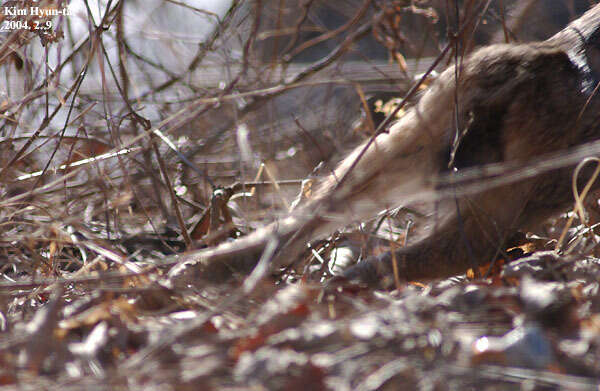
point(516, 103)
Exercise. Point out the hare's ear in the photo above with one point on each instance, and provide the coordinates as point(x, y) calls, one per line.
point(592, 54)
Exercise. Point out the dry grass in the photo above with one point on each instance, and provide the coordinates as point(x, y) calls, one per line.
point(129, 135)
